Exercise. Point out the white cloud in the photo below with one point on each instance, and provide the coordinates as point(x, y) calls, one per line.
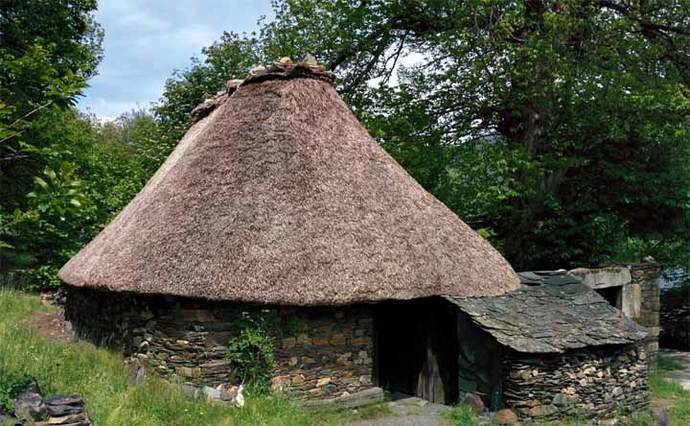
point(146, 40)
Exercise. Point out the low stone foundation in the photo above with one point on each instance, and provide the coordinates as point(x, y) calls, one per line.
point(591, 383)
point(320, 352)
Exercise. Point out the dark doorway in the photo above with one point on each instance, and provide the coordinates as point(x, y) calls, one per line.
point(417, 348)
point(613, 295)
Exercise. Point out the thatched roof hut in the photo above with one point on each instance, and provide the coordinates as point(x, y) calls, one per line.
point(279, 195)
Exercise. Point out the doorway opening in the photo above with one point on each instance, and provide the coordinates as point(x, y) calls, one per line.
point(417, 348)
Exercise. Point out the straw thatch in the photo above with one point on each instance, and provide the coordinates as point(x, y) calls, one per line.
point(279, 195)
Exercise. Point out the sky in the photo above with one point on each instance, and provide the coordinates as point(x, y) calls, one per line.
point(146, 40)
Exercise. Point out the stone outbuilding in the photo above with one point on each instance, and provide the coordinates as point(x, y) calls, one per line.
point(278, 202)
point(552, 348)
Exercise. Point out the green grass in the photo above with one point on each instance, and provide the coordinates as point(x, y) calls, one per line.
point(460, 415)
point(668, 364)
point(674, 397)
point(101, 378)
point(671, 394)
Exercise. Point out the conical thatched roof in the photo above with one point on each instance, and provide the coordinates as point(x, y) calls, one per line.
point(279, 195)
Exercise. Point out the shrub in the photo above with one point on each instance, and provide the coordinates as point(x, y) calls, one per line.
point(251, 351)
point(10, 386)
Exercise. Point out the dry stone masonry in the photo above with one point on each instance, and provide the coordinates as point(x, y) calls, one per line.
point(320, 352)
point(593, 383)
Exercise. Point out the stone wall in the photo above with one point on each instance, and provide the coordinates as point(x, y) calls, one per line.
point(320, 352)
point(645, 276)
point(592, 382)
point(639, 295)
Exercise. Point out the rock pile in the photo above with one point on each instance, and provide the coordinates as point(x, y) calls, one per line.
point(31, 408)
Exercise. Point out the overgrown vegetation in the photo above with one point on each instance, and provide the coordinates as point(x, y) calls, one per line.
point(11, 384)
point(101, 377)
point(668, 364)
point(251, 351)
point(670, 394)
point(461, 415)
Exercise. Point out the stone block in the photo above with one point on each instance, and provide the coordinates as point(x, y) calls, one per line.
point(603, 277)
point(543, 410)
point(323, 382)
point(337, 339)
point(505, 417)
point(288, 343)
point(475, 402)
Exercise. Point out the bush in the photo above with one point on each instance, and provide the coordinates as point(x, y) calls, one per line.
point(251, 351)
point(11, 385)
point(461, 415)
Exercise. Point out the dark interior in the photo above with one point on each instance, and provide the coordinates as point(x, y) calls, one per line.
point(613, 295)
point(417, 348)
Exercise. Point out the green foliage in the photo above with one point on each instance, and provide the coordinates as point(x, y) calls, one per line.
point(48, 50)
point(673, 394)
point(665, 363)
point(86, 178)
point(461, 415)
point(251, 351)
point(11, 384)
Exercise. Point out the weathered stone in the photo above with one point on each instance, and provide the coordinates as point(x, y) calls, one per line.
point(323, 382)
point(67, 419)
point(561, 400)
point(543, 410)
point(29, 406)
point(505, 417)
point(475, 402)
point(603, 277)
point(137, 372)
point(288, 343)
point(62, 410)
point(191, 392)
point(661, 415)
point(557, 385)
point(337, 339)
point(211, 393)
point(188, 372)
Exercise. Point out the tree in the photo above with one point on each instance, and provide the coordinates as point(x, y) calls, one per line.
point(48, 49)
point(558, 127)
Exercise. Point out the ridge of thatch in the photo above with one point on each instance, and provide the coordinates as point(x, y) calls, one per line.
point(279, 195)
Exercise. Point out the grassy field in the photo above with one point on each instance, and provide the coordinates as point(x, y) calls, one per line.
point(100, 376)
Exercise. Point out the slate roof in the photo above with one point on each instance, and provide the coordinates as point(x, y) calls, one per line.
point(551, 313)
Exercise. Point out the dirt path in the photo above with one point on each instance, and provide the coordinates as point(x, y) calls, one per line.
point(682, 377)
point(409, 411)
point(51, 325)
